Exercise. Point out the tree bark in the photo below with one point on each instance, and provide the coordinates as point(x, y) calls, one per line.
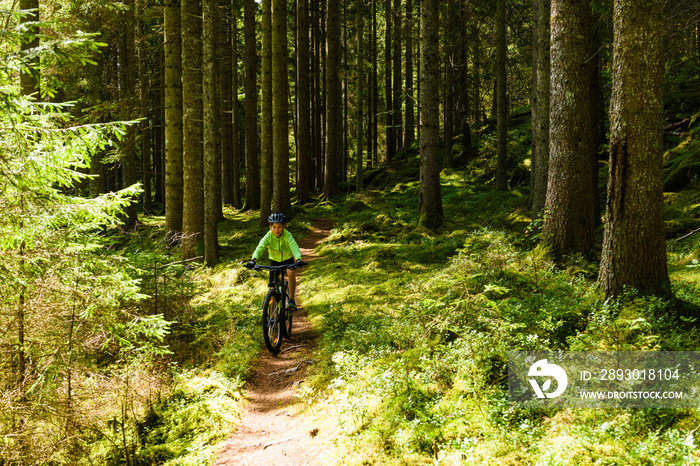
point(212, 130)
point(280, 110)
point(305, 177)
point(359, 98)
point(501, 102)
point(389, 96)
point(225, 53)
point(334, 118)
point(173, 119)
point(540, 106)
point(397, 117)
point(634, 249)
point(144, 83)
point(266, 118)
point(252, 198)
point(192, 115)
point(30, 81)
point(570, 219)
point(410, 100)
point(430, 213)
point(236, 136)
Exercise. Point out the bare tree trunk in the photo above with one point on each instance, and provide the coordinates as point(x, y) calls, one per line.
point(410, 101)
point(501, 102)
point(280, 111)
point(334, 121)
point(252, 198)
point(225, 64)
point(30, 82)
point(235, 109)
point(389, 96)
point(634, 249)
point(212, 129)
point(192, 135)
point(173, 119)
point(266, 117)
point(397, 118)
point(144, 83)
point(540, 106)
point(304, 184)
point(430, 213)
point(570, 221)
point(359, 97)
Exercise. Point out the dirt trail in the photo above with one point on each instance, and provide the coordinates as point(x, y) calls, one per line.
point(273, 429)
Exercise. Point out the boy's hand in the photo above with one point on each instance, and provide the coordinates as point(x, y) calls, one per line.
point(250, 264)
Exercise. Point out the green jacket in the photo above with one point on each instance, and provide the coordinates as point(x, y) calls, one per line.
point(279, 249)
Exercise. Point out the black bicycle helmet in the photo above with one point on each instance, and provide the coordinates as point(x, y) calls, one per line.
point(277, 217)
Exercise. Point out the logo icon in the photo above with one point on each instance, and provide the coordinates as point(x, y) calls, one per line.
point(544, 369)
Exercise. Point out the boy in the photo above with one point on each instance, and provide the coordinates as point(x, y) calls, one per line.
point(282, 249)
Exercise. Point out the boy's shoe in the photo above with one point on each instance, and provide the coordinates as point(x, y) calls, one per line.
point(292, 306)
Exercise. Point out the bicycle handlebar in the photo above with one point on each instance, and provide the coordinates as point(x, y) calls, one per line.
point(293, 266)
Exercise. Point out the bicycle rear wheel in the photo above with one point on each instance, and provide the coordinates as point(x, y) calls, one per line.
point(271, 324)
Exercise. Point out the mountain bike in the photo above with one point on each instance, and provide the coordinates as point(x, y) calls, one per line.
point(276, 318)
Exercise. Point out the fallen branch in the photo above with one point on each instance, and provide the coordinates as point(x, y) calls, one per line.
point(269, 444)
point(677, 125)
point(689, 234)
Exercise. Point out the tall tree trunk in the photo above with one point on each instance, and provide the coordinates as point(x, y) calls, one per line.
point(570, 222)
point(388, 94)
point(237, 204)
point(252, 198)
point(304, 184)
point(159, 133)
point(30, 82)
point(127, 72)
point(192, 134)
point(225, 64)
point(540, 106)
point(144, 83)
point(334, 118)
point(173, 120)
point(318, 101)
point(430, 212)
point(359, 97)
point(280, 110)
point(375, 88)
point(266, 118)
point(212, 148)
point(398, 77)
point(410, 101)
point(448, 131)
point(502, 104)
point(634, 249)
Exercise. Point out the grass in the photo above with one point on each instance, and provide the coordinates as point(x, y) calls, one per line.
point(415, 327)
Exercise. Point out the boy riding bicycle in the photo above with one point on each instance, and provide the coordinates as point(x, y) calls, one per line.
point(282, 249)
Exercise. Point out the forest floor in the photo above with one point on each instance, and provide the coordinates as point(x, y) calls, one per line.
point(276, 428)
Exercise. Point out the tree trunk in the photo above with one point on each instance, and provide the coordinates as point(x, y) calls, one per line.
point(334, 118)
point(280, 110)
point(266, 119)
point(144, 83)
point(540, 106)
point(192, 134)
point(226, 64)
point(237, 204)
point(501, 102)
point(252, 198)
point(397, 118)
point(30, 82)
point(570, 221)
point(410, 101)
point(449, 106)
point(317, 98)
point(359, 97)
point(212, 166)
point(173, 119)
point(304, 184)
point(634, 249)
point(389, 96)
point(430, 212)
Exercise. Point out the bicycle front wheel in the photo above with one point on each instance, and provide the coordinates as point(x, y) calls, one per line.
point(271, 324)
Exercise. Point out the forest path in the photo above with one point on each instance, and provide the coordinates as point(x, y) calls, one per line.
point(274, 429)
